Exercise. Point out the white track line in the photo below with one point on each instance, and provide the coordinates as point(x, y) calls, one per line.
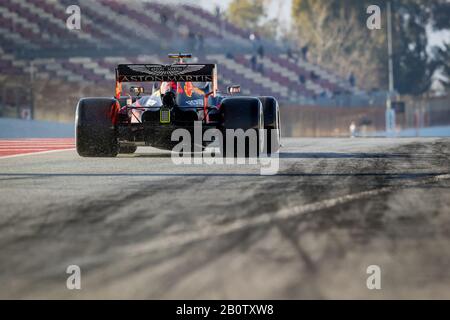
point(34, 153)
point(265, 218)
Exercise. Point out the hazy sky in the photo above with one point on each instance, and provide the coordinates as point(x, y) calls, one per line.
point(277, 7)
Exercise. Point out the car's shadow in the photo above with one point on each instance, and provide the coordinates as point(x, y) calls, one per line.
point(145, 155)
point(292, 155)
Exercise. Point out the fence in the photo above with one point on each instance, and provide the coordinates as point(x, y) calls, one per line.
point(319, 121)
point(426, 112)
point(334, 121)
point(56, 101)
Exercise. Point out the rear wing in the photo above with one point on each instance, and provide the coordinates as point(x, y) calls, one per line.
point(161, 72)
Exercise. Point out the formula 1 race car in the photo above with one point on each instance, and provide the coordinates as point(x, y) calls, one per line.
point(183, 96)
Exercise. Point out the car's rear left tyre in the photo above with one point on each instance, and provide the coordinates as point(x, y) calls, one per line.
point(96, 135)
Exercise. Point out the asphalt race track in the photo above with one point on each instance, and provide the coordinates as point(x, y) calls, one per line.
point(141, 227)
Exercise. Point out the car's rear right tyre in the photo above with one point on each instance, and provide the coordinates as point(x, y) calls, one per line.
point(96, 135)
point(245, 113)
point(272, 124)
